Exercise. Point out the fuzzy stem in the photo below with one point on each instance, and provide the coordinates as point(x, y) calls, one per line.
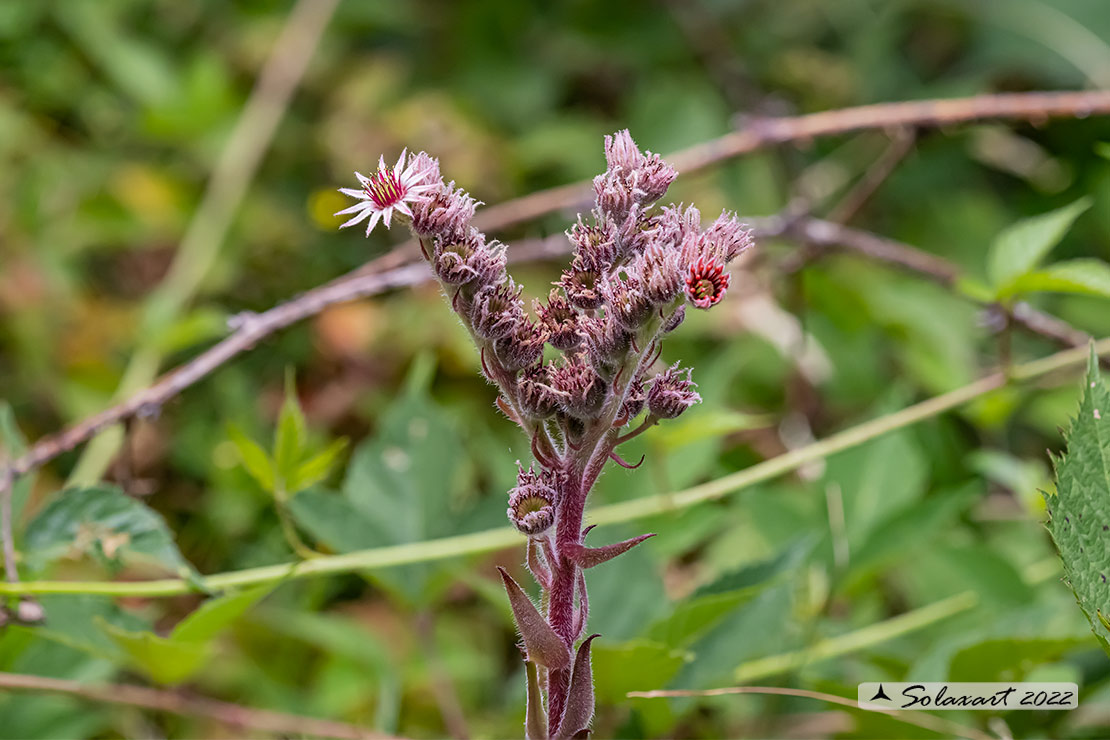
point(560, 609)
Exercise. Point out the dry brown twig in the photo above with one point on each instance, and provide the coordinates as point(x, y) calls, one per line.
point(392, 271)
point(233, 715)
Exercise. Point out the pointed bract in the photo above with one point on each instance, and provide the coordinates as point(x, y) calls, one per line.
point(540, 641)
point(588, 557)
point(535, 718)
point(580, 696)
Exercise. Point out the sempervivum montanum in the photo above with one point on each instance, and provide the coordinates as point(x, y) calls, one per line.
point(633, 272)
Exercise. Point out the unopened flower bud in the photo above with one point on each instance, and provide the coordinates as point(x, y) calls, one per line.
point(594, 244)
point(582, 287)
point(531, 503)
point(537, 400)
point(523, 347)
point(608, 341)
point(457, 259)
point(561, 321)
point(675, 319)
point(634, 401)
point(671, 393)
point(661, 270)
point(614, 196)
point(636, 233)
point(727, 238)
point(446, 213)
point(497, 310)
point(629, 305)
point(580, 390)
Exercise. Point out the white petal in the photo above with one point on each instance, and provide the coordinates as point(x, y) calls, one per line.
point(356, 207)
point(373, 222)
point(386, 216)
point(361, 194)
point(400, 162)
point(365, 212)
point(402, 208)
point(381, 163)
point(362, 178)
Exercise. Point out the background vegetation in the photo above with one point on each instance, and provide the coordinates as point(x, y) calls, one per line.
point(920, 554)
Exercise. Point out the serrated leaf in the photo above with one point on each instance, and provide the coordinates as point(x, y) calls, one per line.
point(289, 441)
point(101, 521)
point(1079, 512)
point(1080, 276)
point(1024, 245)
point(255, 459)
point(316, 468)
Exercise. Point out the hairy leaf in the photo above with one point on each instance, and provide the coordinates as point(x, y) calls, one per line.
point(540, 641)
point(535, 718)
point(1079, 511)
point(580, 696)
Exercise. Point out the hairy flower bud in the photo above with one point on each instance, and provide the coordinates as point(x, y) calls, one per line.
point(594, 244)
point(647, 176)
point(561, 321)
point(580, 390)
point(634, 401)
point(461, 259)
point(629, 306)
point(636, 233)
point(497, 310)
point(614, 196)
point(446, 213)
point(671, 393)
point(608, 341)
point(727, 238)
point(537, 400)
point(523, 347)
point(582, 287)
point(675, 319)
point(661, 270)
point(531, 502)
point(706, 282)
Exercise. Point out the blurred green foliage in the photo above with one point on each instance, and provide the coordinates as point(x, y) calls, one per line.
point(112, 115)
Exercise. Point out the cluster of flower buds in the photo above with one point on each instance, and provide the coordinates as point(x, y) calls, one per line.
point(633, 272)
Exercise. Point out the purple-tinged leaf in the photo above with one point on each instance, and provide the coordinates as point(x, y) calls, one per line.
point(537, 565)
point(580, 696)
point(543, 646)
point(535, 719)
point(582, 611)
point(588, 557)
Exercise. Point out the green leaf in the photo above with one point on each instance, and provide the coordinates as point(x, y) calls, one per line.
point(316, 468)
point(255, 459)
point(636, 665)
point(102, 521)
point(12, 445)
point(163, 660)
point(289, 441)
point(214, 615)
point(1079, 512)
point(173, 659)
point(1024, 245)
point(1009, 659)
point(1080, 276)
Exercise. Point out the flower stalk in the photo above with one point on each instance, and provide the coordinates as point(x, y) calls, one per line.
point(634, 271)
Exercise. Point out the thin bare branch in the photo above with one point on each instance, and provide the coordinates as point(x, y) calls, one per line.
point(6, 481)
point(178, 703)
point(901, 143)
point(236, 167)
point(759, 133)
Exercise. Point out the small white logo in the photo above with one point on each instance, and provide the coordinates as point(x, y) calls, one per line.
point(938, 695)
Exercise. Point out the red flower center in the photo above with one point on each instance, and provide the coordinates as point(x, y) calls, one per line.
point(706, 283)
point(385, 189)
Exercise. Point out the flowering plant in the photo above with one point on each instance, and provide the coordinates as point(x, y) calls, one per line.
point(633, 272)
